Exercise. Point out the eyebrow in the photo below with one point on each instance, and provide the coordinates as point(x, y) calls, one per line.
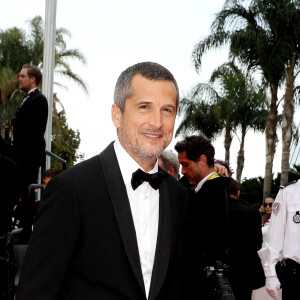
point(144, 102)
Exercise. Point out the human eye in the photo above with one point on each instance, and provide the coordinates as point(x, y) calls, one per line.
point(144, 106)
point(168, 110)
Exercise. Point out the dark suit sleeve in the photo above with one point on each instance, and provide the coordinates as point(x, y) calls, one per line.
point(36, 118)
point(214, 214)
point(256, 230)
point(52, 243)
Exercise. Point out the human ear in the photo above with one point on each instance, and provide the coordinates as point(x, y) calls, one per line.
point(203, 159)
point(116, 115)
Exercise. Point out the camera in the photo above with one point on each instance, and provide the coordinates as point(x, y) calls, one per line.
point(218, 286)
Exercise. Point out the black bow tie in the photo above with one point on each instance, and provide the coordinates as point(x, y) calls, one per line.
point(139, 176)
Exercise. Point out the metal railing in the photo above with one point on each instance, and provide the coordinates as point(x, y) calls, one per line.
point(55, 157)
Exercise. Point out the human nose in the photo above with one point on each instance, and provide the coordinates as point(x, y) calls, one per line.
point(183, 172)
point(156, 119)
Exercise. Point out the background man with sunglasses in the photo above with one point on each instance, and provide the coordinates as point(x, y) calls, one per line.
point(270, 199)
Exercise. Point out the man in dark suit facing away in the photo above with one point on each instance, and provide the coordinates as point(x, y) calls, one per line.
point(98, 233)
point(206, 232)
point(28, 143)
point(245, 239)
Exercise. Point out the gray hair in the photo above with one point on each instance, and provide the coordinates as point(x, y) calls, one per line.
point(169, 160)
point(149, 70)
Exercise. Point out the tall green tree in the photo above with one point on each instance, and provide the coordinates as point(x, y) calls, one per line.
point(14, 49)
point(231, 101)
point(283, 19)
point(199, 116)
point(63, 55)
point(252, 38)
point(65, 141)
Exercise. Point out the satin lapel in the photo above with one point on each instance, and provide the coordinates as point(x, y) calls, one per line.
point(163, 246)
point(118, 194)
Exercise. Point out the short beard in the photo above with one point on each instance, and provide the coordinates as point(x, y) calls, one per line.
point(142, 156)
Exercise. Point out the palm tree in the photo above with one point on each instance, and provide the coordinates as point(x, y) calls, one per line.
point(252, 41)
point(252, 115)
point(199, 116)
point(232, 101)
point(62, 54)
point(283, 18)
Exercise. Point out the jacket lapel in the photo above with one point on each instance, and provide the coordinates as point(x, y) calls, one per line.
point(163, 246)
point(118, 194)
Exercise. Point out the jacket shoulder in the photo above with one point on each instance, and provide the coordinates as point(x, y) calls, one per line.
point(287, 184)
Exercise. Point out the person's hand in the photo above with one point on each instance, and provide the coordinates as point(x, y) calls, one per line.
point(273, 286)
point(221, 170)
point(262, 210)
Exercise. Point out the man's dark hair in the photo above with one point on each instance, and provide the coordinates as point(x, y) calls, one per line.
point(195, 146)
point(34, 71)
point(273, 196)
point(51, 173)
point(149, 70)
point(232, 186)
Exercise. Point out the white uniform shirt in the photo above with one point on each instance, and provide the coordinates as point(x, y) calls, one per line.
point(144, 204)
point(283, 240)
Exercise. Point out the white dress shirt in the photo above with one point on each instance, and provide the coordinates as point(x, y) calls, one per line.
point(283, 240)
point(144, 204)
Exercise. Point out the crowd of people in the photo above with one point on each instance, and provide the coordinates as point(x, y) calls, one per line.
point(125, 225)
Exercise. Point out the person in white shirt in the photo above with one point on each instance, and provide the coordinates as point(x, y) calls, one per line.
point(283, 244)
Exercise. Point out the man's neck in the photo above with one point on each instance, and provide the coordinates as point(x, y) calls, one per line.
point(207, 172)
point(31, 90)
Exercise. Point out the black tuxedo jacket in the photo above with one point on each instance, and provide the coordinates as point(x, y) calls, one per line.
point(206, 235)
point(84, 244)
point(29, 124)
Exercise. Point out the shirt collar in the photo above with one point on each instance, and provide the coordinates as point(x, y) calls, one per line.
point(31, 91)
point(202, 181)
point(127, 164)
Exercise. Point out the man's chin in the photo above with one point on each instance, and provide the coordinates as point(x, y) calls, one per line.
point(191, 181)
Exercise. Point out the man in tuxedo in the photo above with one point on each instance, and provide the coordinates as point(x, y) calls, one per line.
point(245, 239)
point(28, 143)
point(104, 228)
point(207, 214)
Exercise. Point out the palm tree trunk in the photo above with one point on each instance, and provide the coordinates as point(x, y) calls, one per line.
point(241, 157)
point(271, 140)
point(227, 141)
point(287, 123)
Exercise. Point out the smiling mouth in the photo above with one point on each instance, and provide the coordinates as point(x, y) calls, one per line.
point(152, 135)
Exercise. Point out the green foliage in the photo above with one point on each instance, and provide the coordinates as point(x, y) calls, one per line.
point(14, 49)
point(65, 141)
point(252, 188)
point(251, 191)
point(199, 117)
